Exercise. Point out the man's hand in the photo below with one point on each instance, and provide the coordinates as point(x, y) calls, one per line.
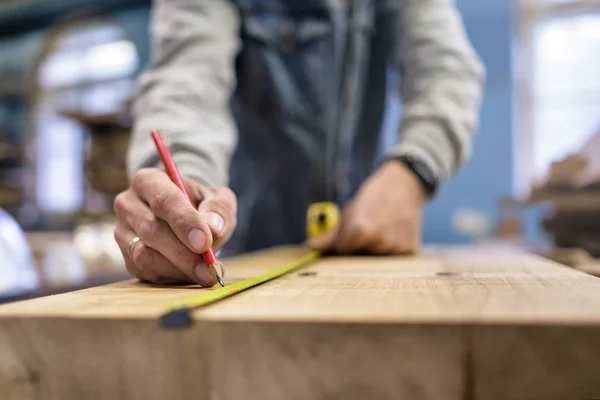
point(383, 218)
point(173, 233)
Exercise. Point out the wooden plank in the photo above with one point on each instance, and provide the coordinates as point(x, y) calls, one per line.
point(338, 361)
point(451, 323)
point(61, 358)
point(536, 362)
point(134, 300)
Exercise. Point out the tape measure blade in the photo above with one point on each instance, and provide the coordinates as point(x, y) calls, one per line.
point(178, 314)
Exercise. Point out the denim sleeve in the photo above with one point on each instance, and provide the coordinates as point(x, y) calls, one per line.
point(185, 90)
point(442, 83)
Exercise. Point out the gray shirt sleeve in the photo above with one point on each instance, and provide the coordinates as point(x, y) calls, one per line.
point(186, 88)
point(442, 81)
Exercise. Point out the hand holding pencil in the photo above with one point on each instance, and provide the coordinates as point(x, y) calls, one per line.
point(166, 234)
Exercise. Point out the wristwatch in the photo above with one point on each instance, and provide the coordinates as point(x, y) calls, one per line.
point(429, 181)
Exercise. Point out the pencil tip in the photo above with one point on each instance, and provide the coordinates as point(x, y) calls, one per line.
point(216, 270)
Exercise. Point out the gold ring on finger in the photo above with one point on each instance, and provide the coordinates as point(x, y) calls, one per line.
point(132, 245)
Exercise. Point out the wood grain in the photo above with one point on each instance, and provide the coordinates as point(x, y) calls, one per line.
point(536, 362)
point(451, 323)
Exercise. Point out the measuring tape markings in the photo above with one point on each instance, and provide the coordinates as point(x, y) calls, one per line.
point(178, 313)
point(321, 218)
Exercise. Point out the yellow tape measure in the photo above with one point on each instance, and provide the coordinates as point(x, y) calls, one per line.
point(321, 218)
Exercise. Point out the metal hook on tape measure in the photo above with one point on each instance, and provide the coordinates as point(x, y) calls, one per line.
point(321, 218)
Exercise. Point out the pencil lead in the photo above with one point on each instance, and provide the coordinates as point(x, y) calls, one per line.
point(216, 270)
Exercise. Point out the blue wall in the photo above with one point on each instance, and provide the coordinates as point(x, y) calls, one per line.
point(488, 174)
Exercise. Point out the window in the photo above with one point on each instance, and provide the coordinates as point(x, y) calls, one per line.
point(563, 95)
point(88, 67)
point(566, 87)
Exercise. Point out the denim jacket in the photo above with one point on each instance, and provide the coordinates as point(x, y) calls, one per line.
point(284, 101)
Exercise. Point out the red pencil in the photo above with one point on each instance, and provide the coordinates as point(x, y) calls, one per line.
point(210, 258)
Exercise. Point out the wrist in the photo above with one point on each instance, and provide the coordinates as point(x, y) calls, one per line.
point(424, 175)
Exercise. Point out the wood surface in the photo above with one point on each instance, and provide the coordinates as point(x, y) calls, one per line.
point(452, 323)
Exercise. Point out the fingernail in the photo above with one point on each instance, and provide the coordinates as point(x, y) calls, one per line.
point(215, 221)
point(203, 275)
point(197, 239)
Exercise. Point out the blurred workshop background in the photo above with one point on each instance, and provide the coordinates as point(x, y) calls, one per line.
point(68, 70)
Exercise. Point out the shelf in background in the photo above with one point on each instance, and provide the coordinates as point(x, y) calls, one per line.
point(17, 17)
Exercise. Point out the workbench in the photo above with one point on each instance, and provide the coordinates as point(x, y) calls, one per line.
point(451, 323)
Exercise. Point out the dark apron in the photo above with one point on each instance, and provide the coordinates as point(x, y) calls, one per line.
point(309, 106)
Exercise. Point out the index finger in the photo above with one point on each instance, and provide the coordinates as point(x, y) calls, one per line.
point(168, 203)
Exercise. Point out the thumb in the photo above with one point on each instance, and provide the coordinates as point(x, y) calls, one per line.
point(219, 211)
point(215, 221)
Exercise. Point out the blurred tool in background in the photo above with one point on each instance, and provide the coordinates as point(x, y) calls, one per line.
point(18, 275)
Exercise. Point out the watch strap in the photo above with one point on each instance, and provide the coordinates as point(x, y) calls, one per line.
point(429, 181)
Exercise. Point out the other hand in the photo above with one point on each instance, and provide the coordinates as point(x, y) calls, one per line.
point(384, 217)
point(173, 233)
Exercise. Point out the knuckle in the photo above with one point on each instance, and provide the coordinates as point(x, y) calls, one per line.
point(227, 193)
point(120, 203)
point(231, 205)
point(226, 198)
point(194, 188)
point(119, 235)
point(182, 220)
point(147, 229)
point(363, 228)
point(159, 202)
point(141, 177)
